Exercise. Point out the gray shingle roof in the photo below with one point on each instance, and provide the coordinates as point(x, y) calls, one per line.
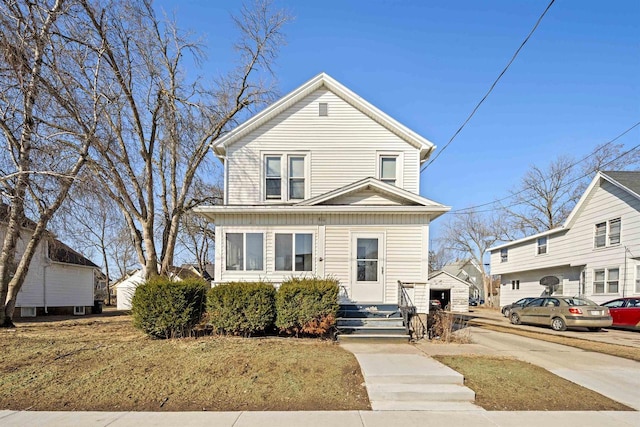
point(629, 179)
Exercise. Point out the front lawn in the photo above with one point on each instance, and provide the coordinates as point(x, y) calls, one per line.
point(507, 384)
point(103, 364)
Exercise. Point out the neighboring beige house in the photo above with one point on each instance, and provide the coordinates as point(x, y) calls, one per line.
point(595, 253)
point(322, 183)
point(59, 281)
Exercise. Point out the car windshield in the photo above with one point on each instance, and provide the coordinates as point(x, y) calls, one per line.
point(578, 301)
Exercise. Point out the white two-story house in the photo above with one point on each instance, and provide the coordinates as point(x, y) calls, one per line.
point(322, 183)
point(595, 253)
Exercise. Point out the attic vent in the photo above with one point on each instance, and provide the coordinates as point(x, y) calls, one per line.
point(323, 109)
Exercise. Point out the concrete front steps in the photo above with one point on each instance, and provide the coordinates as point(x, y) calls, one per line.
point(413, 382)
point(370, 323)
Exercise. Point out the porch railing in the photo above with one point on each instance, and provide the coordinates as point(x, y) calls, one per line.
point(414, 325)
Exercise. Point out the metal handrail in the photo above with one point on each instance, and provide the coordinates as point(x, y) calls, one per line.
point(414, 325)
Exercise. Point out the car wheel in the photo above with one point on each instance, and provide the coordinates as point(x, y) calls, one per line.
point(557, 324)
point(507, 313)
point(595, 329)
point(515, 319)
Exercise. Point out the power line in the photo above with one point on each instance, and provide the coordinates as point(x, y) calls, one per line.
point(490, 89)
point(472, 208)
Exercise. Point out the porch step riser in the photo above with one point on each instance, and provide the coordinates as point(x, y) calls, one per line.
point(371, 331)
point(374, 339)
point(370, 322)
point(369, 311)
point(355, 314)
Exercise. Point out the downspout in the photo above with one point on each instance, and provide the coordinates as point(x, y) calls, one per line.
point(624, 278)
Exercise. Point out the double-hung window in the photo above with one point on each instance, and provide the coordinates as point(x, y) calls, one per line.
point(606, 280)
point(294, 252)
point(285, 177)
point(504, 255)
point(542, 245)
point(244, 252)
point(389, 169)
point(607, 233)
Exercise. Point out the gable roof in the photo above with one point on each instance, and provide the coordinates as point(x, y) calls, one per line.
point(58, 251)
point(437, 273)
point(323, 80)
point(628, 181)
point(375, 185)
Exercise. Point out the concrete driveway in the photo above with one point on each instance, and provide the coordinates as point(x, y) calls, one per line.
point(614, 377)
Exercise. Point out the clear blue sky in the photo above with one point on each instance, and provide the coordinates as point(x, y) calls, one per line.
point(427, 63)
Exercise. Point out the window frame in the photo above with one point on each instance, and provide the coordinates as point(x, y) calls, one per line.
point(515, 285)
point(293, 251)
point(285, 176)
point(602, 235)
point(399, 157)
point(504, 255)
point(606, 281)
point(245, 257)
point(637, 280)
point(545, 246)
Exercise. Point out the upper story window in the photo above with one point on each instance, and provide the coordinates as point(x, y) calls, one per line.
point(607, 233)
point(390, 168)
point(244, 252)
point(285, 177)
point(542, 245)
point(504, 255)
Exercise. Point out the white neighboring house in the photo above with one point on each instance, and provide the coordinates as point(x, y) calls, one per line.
point(595, 253)
point(126, 286)
point(59, 281)
point(451, 291)
point(322, 183)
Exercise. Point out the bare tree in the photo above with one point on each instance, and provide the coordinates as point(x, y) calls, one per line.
point(47, 125)
point(545, 197)
point(439, 257)
point(470, 235)
point(161, 123)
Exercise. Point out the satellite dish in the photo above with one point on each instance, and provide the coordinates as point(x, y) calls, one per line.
point(549, 281)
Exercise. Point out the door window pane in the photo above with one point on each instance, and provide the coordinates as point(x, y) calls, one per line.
point(304, 252)
point(235, 256)
point(367, 260)
point(255, 250)
point(388, 169)
point(284, 251)
point(273, 185)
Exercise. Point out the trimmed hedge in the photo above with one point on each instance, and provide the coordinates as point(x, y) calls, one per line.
point(307, 306)
point(166, 309)
point(241, 308)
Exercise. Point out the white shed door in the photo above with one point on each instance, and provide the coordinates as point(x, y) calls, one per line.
point(367, 267)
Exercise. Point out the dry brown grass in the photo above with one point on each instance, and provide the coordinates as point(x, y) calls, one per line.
point(103, 363)
point(449, 328)
point(507, 384)
point(626, 352)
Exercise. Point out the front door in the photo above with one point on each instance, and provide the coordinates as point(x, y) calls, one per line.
point(367, 267)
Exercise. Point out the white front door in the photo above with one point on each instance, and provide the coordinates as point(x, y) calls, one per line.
point(367, 267)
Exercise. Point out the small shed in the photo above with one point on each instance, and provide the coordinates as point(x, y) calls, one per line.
point(126, 287)
point(450, 290)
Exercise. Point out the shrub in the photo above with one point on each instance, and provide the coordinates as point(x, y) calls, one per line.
point(166, 309)
point(308, 306)
point(241, 308)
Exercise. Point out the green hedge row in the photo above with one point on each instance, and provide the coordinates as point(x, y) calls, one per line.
point(166, 309)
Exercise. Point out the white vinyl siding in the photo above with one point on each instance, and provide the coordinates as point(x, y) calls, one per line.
point(343, 148)
point(574, 248)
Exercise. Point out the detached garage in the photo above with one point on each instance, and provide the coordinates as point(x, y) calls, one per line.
point(449, 290)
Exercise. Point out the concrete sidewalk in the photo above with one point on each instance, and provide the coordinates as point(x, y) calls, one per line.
point(319, 419)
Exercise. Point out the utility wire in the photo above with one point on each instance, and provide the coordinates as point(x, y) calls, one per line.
point(490, 89)
point(573, 181)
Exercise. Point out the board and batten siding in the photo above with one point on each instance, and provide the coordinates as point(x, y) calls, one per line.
point(575, 247)
point(405, 257)
point(341, 148)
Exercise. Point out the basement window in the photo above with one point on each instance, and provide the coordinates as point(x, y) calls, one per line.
point(27, 312)
point(78, 310)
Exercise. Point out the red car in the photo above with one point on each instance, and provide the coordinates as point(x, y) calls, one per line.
point(625, 312)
